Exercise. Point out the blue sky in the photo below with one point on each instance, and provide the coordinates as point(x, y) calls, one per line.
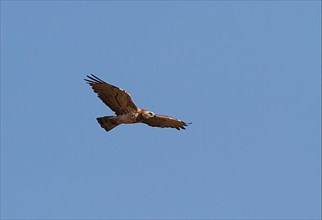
point(245, 73)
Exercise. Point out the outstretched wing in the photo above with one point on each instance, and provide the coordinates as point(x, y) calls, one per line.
point(163, 121)
point(117, 99)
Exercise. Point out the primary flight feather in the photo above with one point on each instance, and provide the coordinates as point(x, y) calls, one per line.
point(126, 112)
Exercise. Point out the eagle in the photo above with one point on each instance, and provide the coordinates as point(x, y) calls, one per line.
point(126, 112)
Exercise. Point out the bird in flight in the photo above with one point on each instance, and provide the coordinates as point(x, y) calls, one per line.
point(126, 112)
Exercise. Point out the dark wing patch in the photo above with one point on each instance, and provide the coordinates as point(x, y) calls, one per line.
point(116, 98)
point(163, 121)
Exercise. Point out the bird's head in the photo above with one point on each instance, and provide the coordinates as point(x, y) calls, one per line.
point(147, 114)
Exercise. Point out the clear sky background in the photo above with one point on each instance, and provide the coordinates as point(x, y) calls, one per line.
point(245, 73)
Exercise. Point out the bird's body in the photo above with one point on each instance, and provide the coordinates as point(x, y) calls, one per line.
point(129, 118)
point(126, 112)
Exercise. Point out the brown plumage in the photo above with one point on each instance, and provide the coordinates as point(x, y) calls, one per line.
point(126, 112)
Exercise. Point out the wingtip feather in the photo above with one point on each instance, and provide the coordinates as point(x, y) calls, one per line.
point(92, 79)
point(95, 77)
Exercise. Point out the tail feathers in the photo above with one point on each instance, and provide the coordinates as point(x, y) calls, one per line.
point(107, 122)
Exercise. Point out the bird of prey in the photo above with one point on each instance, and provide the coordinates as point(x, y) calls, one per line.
point(126, 112)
